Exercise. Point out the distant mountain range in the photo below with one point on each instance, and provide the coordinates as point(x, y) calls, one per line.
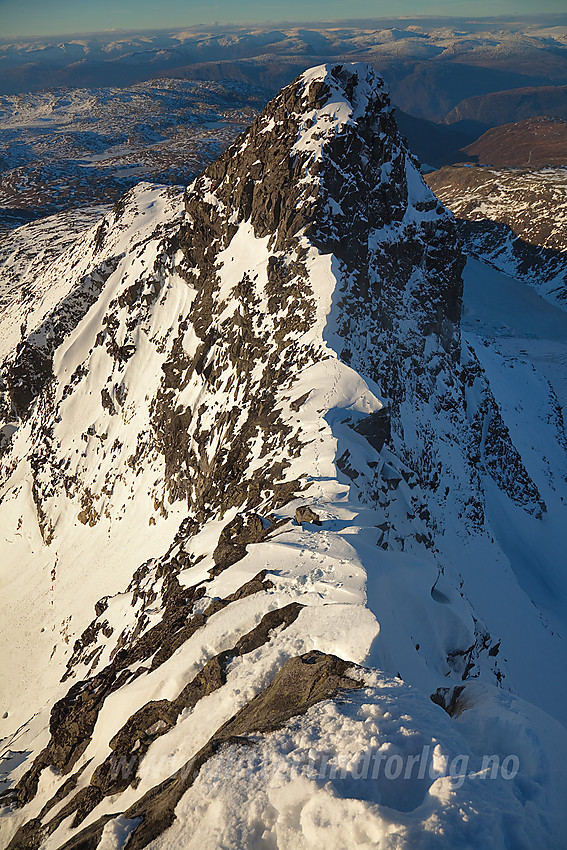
point(431, 65)
point(475, 114)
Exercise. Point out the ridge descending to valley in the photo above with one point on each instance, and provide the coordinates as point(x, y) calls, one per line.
point(265, 509)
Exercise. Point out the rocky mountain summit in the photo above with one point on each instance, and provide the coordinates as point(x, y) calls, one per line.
point(265, 514)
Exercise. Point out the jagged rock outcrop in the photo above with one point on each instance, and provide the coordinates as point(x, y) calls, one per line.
point(276, 349)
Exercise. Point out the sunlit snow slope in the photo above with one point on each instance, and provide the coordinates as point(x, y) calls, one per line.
point(262, 508)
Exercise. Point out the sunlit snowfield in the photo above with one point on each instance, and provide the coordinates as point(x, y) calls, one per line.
point(260, 449)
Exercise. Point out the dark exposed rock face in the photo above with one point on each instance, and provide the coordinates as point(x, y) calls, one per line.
point(74, 717)
point(395, 246)
point(306, 514)
point(233, 539)
point(302, 184)
point(450, 699)
point(301, 683)
point(376, 428)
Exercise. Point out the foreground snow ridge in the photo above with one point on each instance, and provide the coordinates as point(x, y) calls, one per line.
point(264, 518)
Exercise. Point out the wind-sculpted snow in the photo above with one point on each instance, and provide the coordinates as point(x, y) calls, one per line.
point(243, 432)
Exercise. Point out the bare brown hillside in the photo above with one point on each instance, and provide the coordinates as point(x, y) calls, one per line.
point(536, 142)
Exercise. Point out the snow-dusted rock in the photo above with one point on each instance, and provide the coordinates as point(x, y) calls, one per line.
point(284, 337)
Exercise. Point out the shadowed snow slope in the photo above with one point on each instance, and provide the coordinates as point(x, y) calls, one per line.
point(261, 512)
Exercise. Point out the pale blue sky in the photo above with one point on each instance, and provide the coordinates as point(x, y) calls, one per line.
point(55, 17)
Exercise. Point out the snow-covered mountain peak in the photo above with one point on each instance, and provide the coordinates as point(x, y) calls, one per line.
point(246, 451)
point(326, 147)
point(334, 96)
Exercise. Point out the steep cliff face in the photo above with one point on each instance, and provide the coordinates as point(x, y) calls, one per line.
point(242, 430)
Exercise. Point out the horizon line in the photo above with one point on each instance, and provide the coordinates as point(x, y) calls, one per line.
point(246, 25)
